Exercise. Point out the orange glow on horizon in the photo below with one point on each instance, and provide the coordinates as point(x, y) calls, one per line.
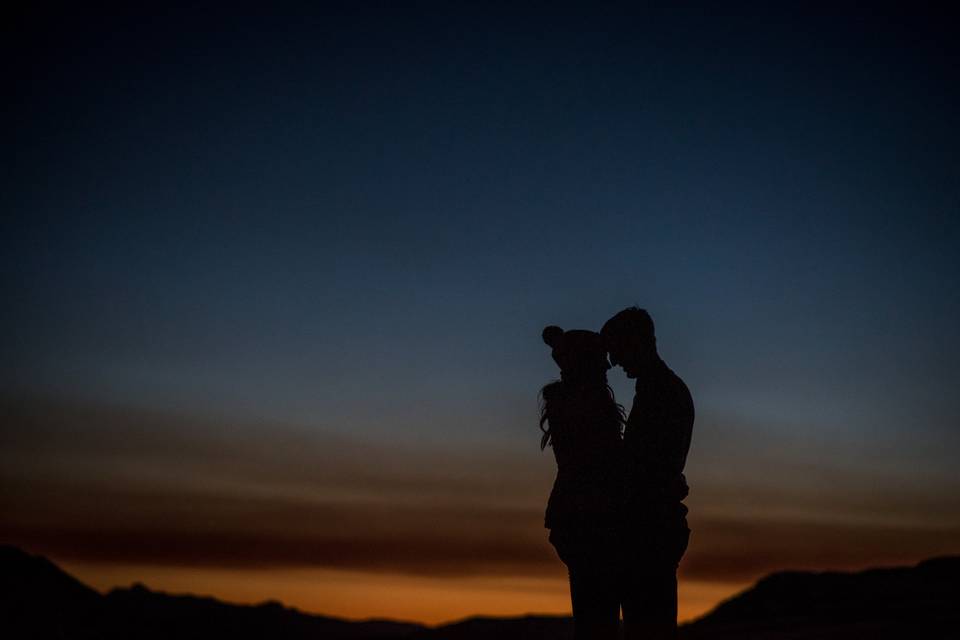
point(359, 595)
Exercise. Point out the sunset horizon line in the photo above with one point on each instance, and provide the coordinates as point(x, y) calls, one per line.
point(733, 590)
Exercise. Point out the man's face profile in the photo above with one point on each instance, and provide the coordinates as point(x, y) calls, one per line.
point(627, 352)
point(622, 354)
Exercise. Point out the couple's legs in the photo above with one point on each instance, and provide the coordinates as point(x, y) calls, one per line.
point(649, 587)
point(648, 595)
point(640, 577)
point(595, 596)
point(649, 600)
point(591, 556)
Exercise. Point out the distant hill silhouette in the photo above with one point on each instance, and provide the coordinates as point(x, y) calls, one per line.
point(486, 628)
point(38, 600)
point(918, 602)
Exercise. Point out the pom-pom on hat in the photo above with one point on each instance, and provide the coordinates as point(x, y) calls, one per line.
point(576, 351)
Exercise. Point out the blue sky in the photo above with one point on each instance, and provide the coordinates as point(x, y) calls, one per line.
point(357, 222)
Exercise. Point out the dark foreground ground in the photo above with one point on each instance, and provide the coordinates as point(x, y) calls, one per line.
point(39, 601)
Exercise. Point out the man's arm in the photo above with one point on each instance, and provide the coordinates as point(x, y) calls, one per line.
point(658, 439)
point(677, 427)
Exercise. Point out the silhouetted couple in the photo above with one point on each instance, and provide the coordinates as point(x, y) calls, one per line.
point(615, 513)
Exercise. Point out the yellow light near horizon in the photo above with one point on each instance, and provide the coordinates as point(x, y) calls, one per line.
point(359, 595)
point(698, 597)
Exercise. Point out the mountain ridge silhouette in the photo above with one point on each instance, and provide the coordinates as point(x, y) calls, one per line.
point(40, 600)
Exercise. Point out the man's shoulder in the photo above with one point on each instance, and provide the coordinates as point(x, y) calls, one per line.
point(669, 378)
point(664, 393)
point(680, 386)
point(676, 389)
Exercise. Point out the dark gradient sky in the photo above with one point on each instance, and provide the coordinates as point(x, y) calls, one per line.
point(291, 268)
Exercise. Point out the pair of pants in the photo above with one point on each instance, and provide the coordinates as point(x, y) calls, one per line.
point(595, 596)
point(633, 568)
point(594, 565)
point(649, 601)
point(648, 588)
point(648, 596)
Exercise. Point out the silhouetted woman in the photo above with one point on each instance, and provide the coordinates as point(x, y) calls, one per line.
point(581, 420)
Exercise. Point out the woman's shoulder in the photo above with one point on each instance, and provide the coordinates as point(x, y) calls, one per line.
point(553, 390)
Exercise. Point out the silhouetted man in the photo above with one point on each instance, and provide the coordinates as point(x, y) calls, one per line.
point(656, 441)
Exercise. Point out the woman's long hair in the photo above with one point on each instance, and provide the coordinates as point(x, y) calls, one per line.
point(595, 400)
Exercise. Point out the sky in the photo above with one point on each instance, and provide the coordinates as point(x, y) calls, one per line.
point(275, 283)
